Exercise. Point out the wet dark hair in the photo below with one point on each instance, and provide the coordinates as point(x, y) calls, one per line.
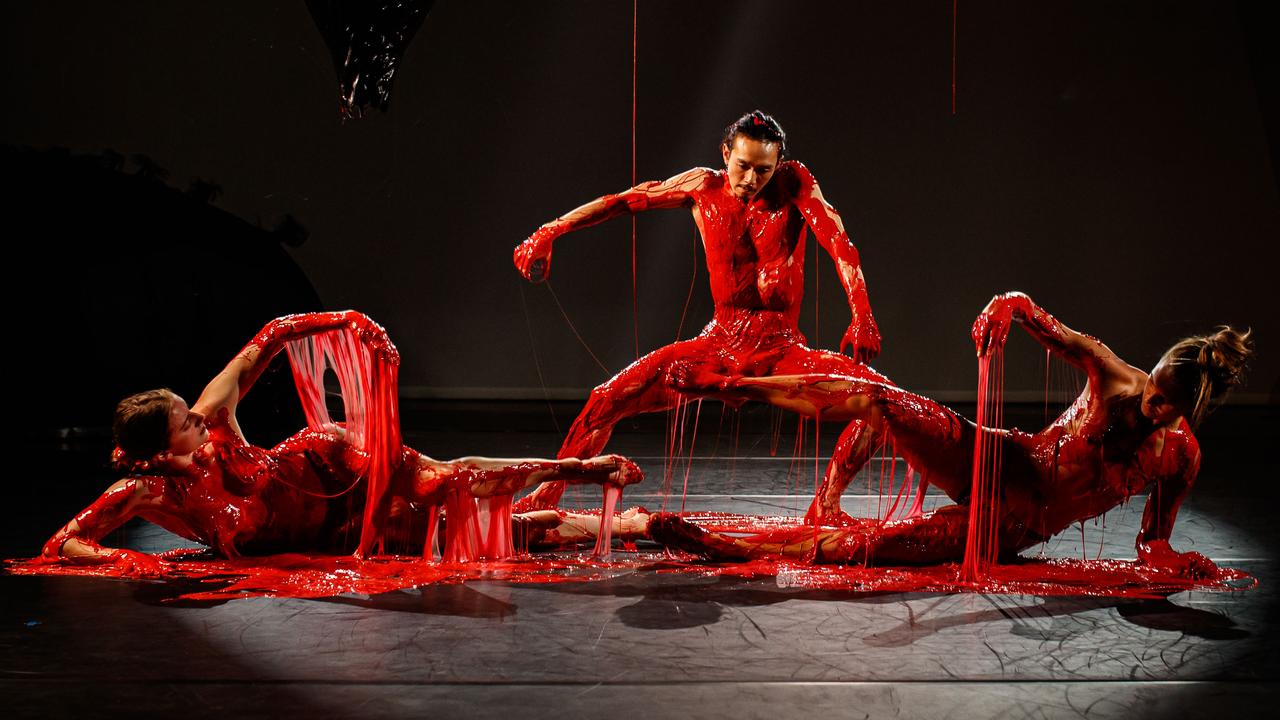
point(141, 424)
point(1206, 367)
point(757, 125)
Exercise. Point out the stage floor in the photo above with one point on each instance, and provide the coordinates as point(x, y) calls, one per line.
point(647, 643)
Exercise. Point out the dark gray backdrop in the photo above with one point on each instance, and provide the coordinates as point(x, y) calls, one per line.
point(1110, 159)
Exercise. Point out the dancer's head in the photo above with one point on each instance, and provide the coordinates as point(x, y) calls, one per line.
point(1195, 375)
point(752, 147)
point(155, 424)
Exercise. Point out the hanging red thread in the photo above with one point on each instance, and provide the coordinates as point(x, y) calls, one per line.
point(635, 294)
point(954, 4)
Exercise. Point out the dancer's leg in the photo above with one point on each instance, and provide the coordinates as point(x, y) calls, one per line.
point(853, 449)
point(650, 384)
point(938, 536)
point(934, 439)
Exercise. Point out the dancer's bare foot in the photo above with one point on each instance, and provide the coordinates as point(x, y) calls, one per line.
point(621, 471)
point(828, 515)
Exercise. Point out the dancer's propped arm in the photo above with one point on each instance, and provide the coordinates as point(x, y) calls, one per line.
point(77, 541)
point(485, 477)
point(229, 387)
point(533, 256)
point(1181, 457)
point(863, 336)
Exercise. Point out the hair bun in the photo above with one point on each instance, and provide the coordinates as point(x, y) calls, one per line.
point(1226, 354)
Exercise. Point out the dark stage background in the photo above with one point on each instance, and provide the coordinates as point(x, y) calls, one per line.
point(1111, 159)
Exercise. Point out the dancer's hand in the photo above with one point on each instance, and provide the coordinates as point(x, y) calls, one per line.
point(295, 327)
point(1191, 565)
point(374, 335)
point(533, 256)
point(622, 472)
point(991, 328)
point(863, 337)
point(132, 563)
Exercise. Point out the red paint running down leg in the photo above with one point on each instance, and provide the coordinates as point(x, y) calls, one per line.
point(982, 546)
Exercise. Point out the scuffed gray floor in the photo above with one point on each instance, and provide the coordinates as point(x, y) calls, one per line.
point(642, 644)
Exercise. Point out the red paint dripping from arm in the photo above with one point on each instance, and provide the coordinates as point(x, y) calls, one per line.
point(992, 327)
point(1107, 373)
point(863, 335)
point(533, 256)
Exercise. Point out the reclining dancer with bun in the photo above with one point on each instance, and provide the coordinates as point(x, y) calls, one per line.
point(1128, 431)
point(191, 471)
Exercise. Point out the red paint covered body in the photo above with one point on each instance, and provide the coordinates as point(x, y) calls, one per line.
point(755, 257)
point(1100, 452)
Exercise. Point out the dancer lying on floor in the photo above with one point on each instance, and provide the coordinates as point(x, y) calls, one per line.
point(192, 472)
point(1128, 430)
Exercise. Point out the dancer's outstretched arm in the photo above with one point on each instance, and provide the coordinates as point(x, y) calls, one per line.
point(497, 476)
point(1083, 351)
point(863, 336)
point(486, 477)
point(533, 256)
point(228, 387)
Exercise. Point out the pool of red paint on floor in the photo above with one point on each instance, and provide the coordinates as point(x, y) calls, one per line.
point(315, 576)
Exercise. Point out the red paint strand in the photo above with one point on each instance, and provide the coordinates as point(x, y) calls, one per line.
point(368, 382)
point(954, 16)
point(635, 55)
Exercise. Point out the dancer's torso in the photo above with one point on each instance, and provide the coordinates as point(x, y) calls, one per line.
point(1081, 474)
point(241, 499)
point(755, 250)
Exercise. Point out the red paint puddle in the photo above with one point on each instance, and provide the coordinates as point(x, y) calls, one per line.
point(317, 576)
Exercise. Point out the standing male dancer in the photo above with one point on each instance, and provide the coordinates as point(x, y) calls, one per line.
point(752, 217)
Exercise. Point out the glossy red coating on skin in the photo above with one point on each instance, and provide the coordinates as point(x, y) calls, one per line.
point(755, 258)
point(1074, 469)
point(367, 366)
point(229, 499)
point(1014, 489)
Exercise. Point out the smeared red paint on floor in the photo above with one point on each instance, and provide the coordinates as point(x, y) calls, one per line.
point(316, 576)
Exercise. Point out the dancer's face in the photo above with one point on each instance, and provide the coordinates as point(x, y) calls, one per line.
point(749, 163)
point(186, 428)
point(1160, 397)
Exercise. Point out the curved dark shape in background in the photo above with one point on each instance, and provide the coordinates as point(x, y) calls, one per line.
point(125, 283)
